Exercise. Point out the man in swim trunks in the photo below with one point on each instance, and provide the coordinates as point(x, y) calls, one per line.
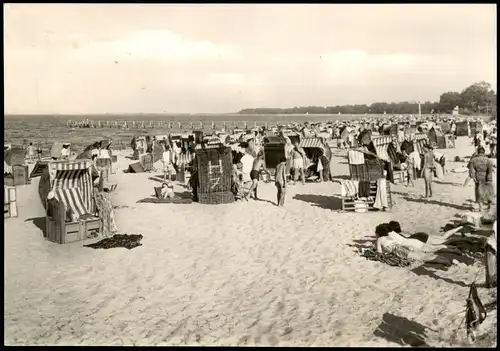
point(280, 181)
point(298, 155)
point(258, 165)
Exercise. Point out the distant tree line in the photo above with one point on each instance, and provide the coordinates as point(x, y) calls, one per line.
point(478, 98)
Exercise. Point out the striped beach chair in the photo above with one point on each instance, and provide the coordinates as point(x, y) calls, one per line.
point(74, 174)
point(381, 144)
point(389, 155)
point(71, 184)
point(72, 199)
point(419, 141)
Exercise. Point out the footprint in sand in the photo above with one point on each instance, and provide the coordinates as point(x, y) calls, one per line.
point(287, 331)
point(244, 340)
point(273, 340)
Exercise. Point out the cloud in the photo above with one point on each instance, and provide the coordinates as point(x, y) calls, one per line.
point(114, 58)
point(235, 79)
point(357, 65)
point(161, 45)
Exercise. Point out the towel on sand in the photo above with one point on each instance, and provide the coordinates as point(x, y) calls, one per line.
point(175, 200)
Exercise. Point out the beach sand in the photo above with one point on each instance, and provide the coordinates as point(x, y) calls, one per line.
point(246, 273)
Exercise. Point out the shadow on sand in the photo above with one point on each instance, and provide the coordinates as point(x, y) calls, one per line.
point(268, 201)
point(435, 202)
point(401, 331)
point(447, 183)
point(39, 222)
point(341, 177)
point(322, 201)
point(362, 244)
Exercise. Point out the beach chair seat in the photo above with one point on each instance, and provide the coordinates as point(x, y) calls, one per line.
point(58, 229)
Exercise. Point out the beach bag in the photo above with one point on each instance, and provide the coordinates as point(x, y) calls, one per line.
point(360, 206)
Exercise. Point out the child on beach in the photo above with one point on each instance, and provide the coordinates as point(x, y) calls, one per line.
point(280, 181)
point(167, 190)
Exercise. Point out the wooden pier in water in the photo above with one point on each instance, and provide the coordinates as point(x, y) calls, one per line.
point(89, 123)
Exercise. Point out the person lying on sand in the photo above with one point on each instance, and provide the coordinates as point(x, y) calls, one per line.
point(413, 249)
point(395, 226)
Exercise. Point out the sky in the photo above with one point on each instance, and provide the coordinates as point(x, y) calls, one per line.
point(165, 58)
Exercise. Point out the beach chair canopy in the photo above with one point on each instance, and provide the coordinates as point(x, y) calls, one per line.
point(445, 127)
point(434, 134)
point(55, 151)
point(385, 129)
point(274, 140)
point(420, 136)
point(105, 143)
point(386, 148)
point(71, 182)
point(380, 146)
point(419, 142)
point(14, 156)
point(212, 139)
point(39, 168)
point(161, 137)
point(344, 132)
point(394, 129)
point(310, 144)
point(246, 137)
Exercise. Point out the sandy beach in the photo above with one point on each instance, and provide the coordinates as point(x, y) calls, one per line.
point(246, 273)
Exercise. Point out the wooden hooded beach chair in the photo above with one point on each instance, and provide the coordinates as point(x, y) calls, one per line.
point(71, 184)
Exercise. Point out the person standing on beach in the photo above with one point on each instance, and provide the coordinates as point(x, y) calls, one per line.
point(258, 165)
point(39, 151)
point(298, 155)
point(288, 154)
point(306, 131)
point(454, 129)
point(167, 161)
point(65, 151)
point(31, 152)
point(428, 169)
point(481, 171)
point(280, 181)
